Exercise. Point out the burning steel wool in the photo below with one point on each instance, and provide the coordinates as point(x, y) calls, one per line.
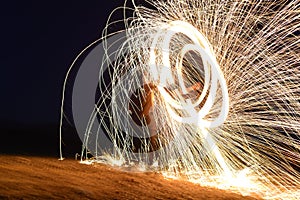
point(207, 91)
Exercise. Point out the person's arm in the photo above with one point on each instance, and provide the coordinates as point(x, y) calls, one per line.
point(196, 87)
point(148, 103)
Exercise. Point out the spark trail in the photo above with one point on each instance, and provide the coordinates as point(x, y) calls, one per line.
point(205, 90)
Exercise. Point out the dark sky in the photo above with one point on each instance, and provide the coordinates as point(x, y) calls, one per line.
point(39, 40)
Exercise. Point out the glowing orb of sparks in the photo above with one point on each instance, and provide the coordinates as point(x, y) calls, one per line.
point(213, 74)
point(202, 90)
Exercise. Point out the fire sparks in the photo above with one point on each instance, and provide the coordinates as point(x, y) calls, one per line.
point(206, 90)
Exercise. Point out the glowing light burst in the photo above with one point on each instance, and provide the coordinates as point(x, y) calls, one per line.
point(208, 91)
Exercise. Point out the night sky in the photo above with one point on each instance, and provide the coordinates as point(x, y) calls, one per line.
point(39, 40)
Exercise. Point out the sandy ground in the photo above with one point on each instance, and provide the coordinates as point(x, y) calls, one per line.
point(24, 177)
